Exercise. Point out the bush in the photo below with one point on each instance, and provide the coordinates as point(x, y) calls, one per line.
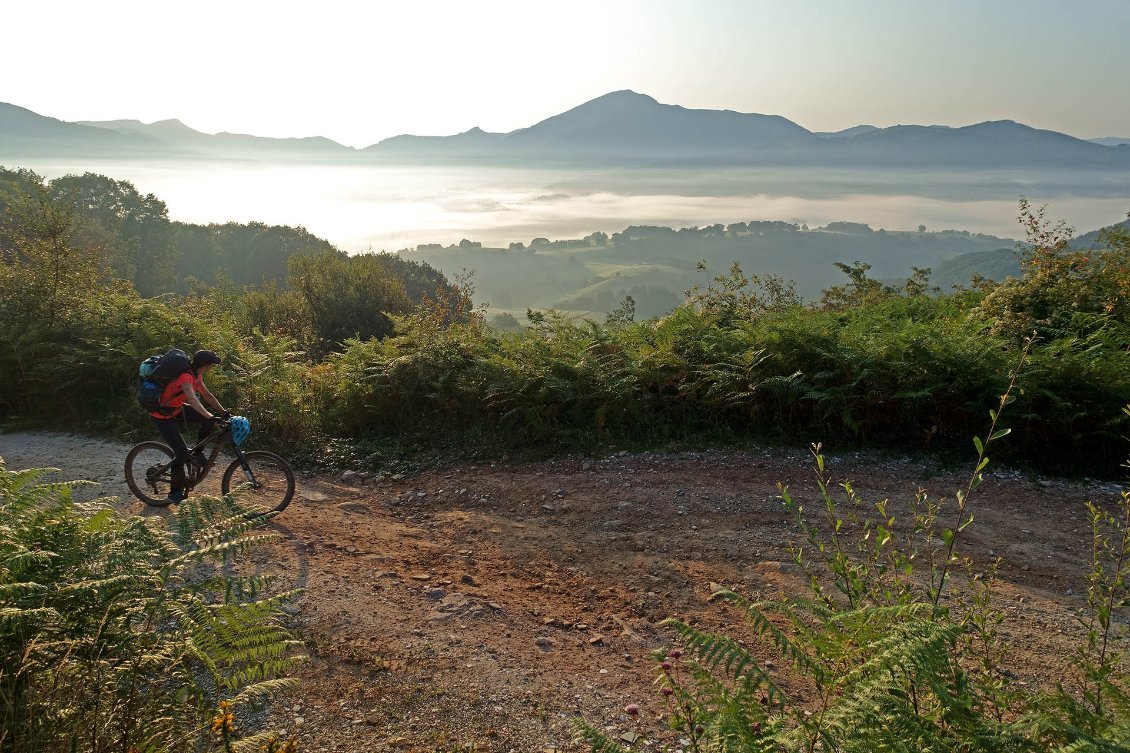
point(119, 634)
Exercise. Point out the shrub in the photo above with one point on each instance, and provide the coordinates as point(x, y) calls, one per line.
point(1063, 291)
point(121, 634)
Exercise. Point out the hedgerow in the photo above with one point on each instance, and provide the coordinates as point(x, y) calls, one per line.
point(331, 361)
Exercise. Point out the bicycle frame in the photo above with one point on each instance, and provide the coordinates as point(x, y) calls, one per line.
point(217, 441)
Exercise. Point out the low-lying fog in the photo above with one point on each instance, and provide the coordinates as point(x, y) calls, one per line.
point(380, 207)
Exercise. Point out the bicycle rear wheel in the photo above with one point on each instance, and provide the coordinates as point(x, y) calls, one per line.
point(268, 480)
point(147, 473)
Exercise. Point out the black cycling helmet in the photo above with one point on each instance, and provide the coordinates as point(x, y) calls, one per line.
point(204, 357)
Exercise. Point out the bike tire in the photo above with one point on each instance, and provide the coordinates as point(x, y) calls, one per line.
point(269, 470)
point(136, 478)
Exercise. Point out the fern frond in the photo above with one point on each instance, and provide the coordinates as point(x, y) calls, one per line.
point(15, 617)
point(786, 646)
point(886, 613)
point(20, 590)
point(265, 689)
point(595, 740)
point(218, 551)
point(253, 743)
point(719, 652)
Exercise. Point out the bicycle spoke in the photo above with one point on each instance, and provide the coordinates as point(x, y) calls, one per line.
point(266, 483)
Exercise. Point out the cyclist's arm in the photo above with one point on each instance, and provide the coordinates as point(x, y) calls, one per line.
point(210, 398)
point(192, 400)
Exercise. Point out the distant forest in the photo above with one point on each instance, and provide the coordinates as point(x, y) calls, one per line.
point(656, 265)
point(131, 237)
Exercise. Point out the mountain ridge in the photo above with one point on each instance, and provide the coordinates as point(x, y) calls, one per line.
point(621, 127)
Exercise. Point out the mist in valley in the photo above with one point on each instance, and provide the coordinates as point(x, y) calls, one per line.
point(427, 212)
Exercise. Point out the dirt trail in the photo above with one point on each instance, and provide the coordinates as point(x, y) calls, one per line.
point(483, 606)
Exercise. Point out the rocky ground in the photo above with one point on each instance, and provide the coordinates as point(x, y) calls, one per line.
point(482, 607)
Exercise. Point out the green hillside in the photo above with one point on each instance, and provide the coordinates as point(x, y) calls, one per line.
point(656, 265)
point(992, 265)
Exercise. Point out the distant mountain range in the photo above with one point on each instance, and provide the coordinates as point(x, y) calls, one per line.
point(618, 128)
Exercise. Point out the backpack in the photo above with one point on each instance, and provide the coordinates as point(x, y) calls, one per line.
point(154, 375)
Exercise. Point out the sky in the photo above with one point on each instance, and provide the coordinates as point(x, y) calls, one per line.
point(358, 72)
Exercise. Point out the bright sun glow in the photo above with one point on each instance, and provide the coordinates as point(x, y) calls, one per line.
point(360, 72)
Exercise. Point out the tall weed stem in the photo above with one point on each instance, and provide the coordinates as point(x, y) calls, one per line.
point(964, 517)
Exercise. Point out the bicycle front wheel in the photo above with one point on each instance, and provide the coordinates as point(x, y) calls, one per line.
point(267, 479)
point(147, 473)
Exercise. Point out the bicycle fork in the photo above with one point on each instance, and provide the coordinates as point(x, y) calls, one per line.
point(247, 472)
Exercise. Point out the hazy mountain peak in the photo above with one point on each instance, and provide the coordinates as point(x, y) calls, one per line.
point(12, 116)
point(623, 96)
point(477, 132)
point(1012, 129)
point(173, 123)
point(1002, 125)
point(628, 124)
point(847, 133)
point(614, 104)
point(1111, 141)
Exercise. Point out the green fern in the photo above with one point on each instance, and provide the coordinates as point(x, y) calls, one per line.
point(120, 634)
point(595, 740)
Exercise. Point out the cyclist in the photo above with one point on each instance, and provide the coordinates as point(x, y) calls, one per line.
point(187, 389)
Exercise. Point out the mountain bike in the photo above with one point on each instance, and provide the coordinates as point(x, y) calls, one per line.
point(268, 479)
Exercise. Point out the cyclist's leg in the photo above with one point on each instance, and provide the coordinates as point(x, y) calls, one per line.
point(169, 432)
point(192, 417)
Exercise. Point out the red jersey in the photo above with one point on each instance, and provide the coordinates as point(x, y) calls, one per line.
point(173, 399)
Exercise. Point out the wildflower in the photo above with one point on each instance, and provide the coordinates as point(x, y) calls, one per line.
point(675, 654)
point(223, 723)
point(666, 691)
point(699, 729)
point(755, 727)
point(666, 666)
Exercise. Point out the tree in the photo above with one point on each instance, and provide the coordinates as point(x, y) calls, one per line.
point(43, 266)
point(919, 282)
point(134, 229)
point(15, 187)
point(258, 254)
point(1063, 290)
point(348, 296)
point(504, 322)
point(736, 295)
point(622, 315)
point(421, 280)
point(201, 256)
point(860, 289)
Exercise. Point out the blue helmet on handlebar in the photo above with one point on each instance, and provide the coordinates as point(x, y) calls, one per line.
point(240, 428)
